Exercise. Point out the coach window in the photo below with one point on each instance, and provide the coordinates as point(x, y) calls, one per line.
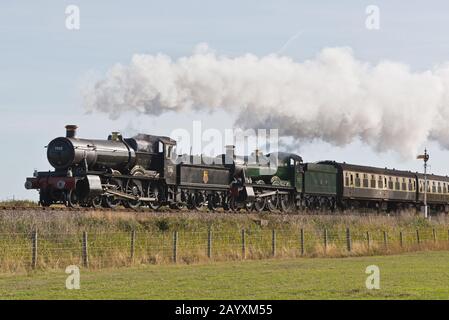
point(404, 185)
point(434, 187)
point(380, 182)
point(390, 183)
point(414, 185)
point(410, 185)
point(444, 187)
point(357, 180)
point(365, 180)
point(439, 187)
point(373, 181)
point(346, 179)
point(397, 184)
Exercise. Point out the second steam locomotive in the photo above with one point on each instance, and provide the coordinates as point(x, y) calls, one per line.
point(145, 171)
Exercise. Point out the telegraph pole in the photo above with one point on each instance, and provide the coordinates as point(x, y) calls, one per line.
point(425, 157)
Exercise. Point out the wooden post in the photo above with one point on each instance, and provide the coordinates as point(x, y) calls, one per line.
point(85, 253)
point(325, 240)
point(302, 241)
point(243, 244)
point(385, 239)
point(434, 233)
point(273, 243)
point(401, 239)
point(368, 240)
point(209, 243)
point(34, 249)
point(175, 246)
point(133, 240)
point(348, 239)
point(417, 236)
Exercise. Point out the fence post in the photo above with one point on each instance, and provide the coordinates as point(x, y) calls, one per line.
point(85, 252)
point(133, 240)
point(302, 241)
point(243, 244)
point(417, 236)
point(348, 240)
point(209, 243)
point(385, 239)
point(325, 240)
point(273, 243)
point(34, 249)
point(175, 246)
point(401, 239)
point(368, 239)
point(434, 235)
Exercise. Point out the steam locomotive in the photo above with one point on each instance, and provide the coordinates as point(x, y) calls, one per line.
point(145, 171)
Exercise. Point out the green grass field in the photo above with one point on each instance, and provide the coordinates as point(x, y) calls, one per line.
point(421, 275)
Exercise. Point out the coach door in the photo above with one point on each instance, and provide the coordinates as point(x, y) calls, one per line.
point(349, 184)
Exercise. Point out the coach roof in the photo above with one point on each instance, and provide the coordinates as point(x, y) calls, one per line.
point(367, 169)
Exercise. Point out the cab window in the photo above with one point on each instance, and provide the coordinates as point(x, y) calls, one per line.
point(169, 151)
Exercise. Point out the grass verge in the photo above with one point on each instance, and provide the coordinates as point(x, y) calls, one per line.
point(422, 275)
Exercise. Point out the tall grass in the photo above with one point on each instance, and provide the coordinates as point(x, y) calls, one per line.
point(109, 236)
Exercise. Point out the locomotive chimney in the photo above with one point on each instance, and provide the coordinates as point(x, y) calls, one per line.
point(70, 131)
point(229, 155)
point(257, 153)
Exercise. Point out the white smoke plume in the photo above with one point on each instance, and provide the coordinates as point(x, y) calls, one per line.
point(333, 97)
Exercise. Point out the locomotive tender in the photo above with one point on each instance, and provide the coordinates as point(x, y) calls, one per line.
point(146, 171)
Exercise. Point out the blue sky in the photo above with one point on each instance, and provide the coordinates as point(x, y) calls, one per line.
point(43, 65)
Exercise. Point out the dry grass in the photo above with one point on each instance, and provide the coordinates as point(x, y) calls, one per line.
point(109, 233)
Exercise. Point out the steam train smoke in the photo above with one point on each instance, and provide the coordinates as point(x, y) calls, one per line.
point(333, 97)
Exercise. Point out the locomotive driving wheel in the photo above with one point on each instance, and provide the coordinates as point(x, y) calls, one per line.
point(285, 202)
point(133, 188)
point(260, 203)
point(110, 201)
point(273, 202)
point(153, 192)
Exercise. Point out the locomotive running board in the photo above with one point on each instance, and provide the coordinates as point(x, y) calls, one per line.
point(129, 197)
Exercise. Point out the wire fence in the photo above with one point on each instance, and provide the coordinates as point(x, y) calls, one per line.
point(101, 250)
